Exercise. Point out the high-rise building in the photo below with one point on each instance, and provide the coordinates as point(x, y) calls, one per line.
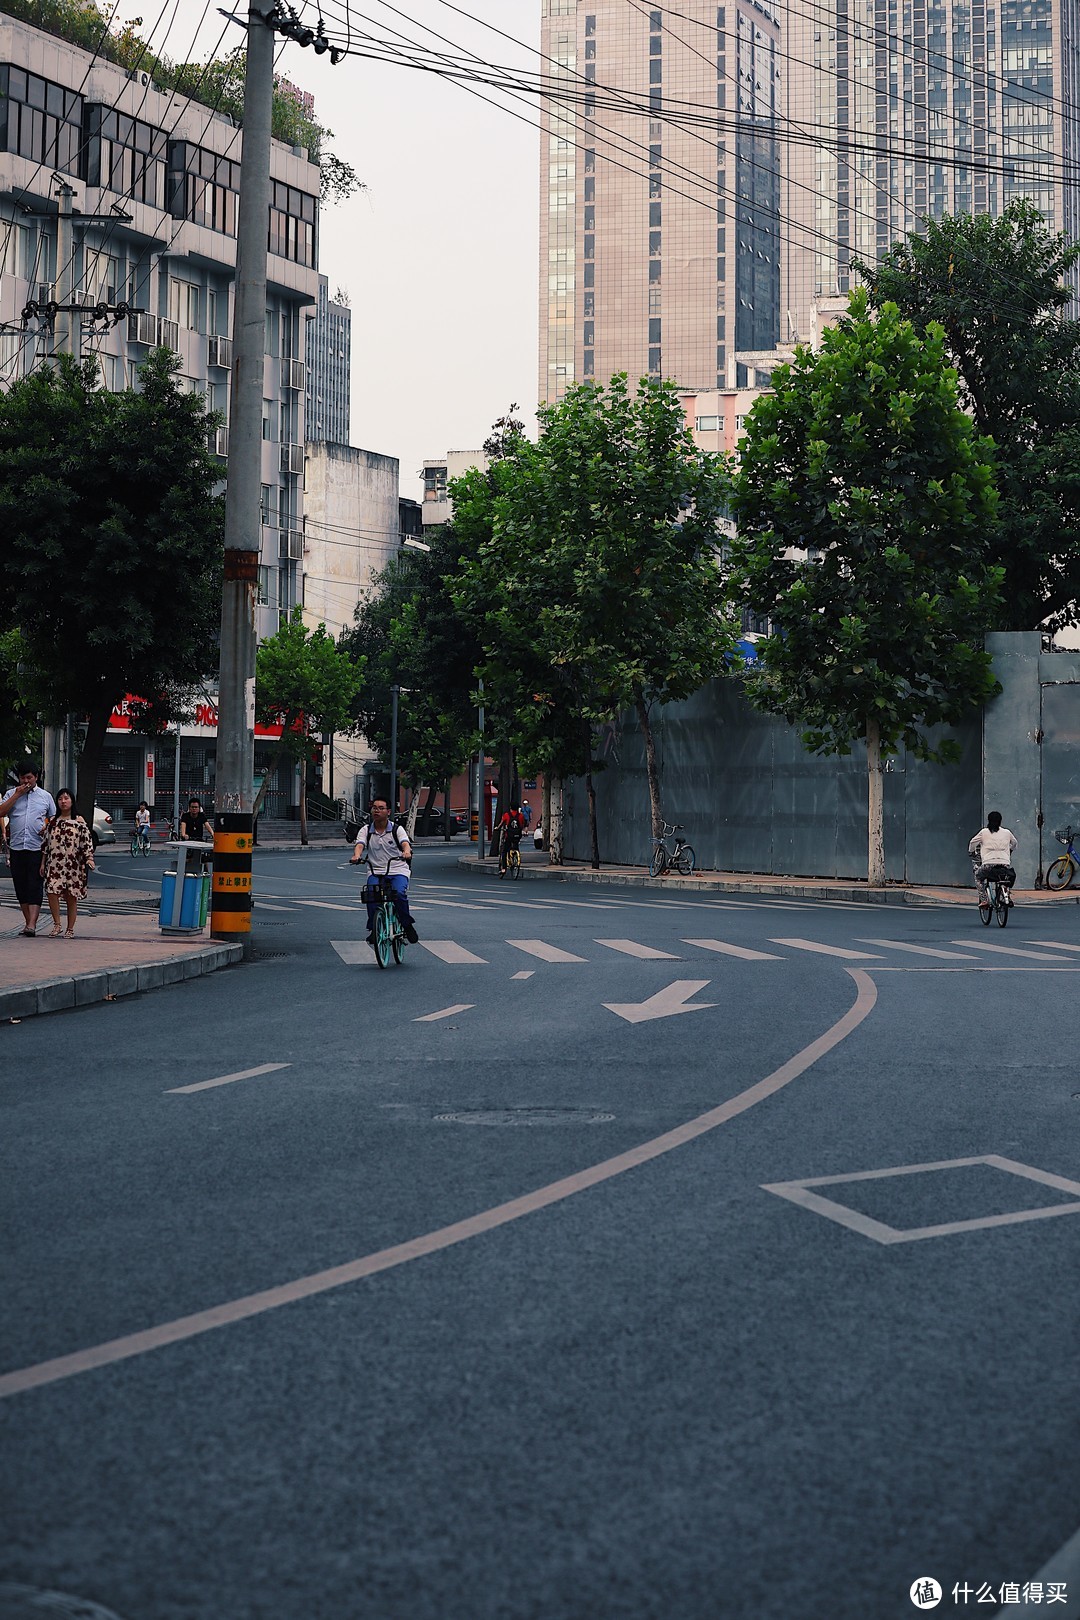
point(938, 107)
point(329, 360)
point(660, 190)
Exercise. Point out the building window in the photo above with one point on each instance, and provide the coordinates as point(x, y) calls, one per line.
point(587, 363)
point(654, 270)
point(654, 330)
point(203, 187)
point(184, 303)
point(654, 243)
point(654, 360)
point(40, 120)
point(707, 424)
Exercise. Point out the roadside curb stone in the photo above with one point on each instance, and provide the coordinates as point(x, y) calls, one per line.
point(83, 989)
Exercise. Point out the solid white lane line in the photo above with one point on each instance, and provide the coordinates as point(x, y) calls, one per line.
point(828, 950)
point(447, 950)
point(1008, 950)
point(733, 950)
point(546, 952)
point(329, 905)
point(920, 950)
point(447, 1012)
point(526, 973)
point(226, 1079)
point(630, 947)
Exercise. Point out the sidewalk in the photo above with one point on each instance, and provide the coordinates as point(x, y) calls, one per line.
point(534, 865)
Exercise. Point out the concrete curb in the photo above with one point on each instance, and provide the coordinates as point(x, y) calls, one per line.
point(787, 889)
point(107, 984)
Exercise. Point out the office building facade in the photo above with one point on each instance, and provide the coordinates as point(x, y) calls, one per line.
point(329, 364)
point(660, 190)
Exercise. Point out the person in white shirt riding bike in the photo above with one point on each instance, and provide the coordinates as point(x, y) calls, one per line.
point(991, 846)
point(385, 845)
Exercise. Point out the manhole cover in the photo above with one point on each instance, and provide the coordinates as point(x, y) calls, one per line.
point(32, 1603)
point(524, 1116)
point(268, 956)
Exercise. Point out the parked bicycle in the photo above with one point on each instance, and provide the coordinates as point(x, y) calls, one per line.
point(1060, 873)
point(680, 858)
point(997, 885)
point(390, 937)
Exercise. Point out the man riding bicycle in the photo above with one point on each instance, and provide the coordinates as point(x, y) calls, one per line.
point(386, 846)
point(992, 847)
point(511, 827)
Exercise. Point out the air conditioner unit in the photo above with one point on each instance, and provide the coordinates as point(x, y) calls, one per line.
point(169, 334)
point(293, 374)
point(219, 442)
point(43, 292)
point(292, 458)
point(291, 544)
point(219, 352)
point(143, 328)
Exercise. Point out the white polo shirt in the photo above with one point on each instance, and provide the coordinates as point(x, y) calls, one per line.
point(383, 850)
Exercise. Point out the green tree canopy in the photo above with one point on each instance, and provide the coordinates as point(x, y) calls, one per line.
point(113, 542)
point(599, 585)
point(998, 288)
point(864, 497)
point(303, 679)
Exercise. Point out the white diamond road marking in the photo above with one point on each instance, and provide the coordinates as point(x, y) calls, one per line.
point(733, 950)
point(630, 947)
point(920, 950)
point(1007, 950)
point(446, 1012)
point(829, 950)
point(447, 950)
point(546, 952)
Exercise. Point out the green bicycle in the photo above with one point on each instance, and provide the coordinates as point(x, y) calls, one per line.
point(390, 939)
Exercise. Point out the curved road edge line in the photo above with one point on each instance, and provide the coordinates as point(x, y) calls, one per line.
point(320, 1282)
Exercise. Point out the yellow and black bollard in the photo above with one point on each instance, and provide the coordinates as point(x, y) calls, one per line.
point(230, 893)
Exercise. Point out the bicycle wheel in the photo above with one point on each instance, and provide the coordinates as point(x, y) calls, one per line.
point(685, 860)
point(384, 930)
point(514, 863)
point(659, 863)
point(134, 844)
point(397, 944)
point(986, 910)
point(1059, 874)
point(1001, 905)
point(145, 842)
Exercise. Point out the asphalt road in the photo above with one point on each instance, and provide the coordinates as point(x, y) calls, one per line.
point(460, 1316)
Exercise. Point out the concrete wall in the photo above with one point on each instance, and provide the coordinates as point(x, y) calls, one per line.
point(752, 799)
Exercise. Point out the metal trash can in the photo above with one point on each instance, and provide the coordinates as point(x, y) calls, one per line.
point(185, 891)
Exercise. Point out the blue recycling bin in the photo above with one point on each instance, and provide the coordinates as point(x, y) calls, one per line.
point(185, 892)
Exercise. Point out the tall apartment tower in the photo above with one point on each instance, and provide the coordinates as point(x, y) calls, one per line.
point(936, 107)
point(660, 190)
point(329, 356)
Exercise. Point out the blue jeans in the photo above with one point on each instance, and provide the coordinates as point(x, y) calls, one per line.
point(400, 888)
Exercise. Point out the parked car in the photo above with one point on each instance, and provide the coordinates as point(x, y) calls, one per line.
point(103, 831)
point(435, 828)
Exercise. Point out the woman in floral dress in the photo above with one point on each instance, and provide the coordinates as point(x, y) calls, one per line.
point(67, 852)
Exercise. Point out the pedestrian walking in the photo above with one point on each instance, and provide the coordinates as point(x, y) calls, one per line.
point(526, 814)
point(28, 809)
point(67, 855)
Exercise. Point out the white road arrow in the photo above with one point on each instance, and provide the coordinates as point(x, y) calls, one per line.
point(664, 1004)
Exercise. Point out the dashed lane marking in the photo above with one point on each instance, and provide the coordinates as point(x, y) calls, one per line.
point(733, 950)
point(447, 950)
point(546, 952)
point(630, 947)
point(330, 905)
point(828, 950)
point(526, 973)
point(226, 1079)
point(353, 952)
point(920, 950)
point(1052, 944)
point(446, 1012)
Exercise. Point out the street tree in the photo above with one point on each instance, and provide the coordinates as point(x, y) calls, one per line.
point(863, 498)
point(305, 682)
point(19, 728)
point(999, 289)
point(113, 543)
point(601, 579)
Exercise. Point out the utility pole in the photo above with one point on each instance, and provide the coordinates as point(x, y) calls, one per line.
point(230, 908)
point(480, 795)
point(394, 691)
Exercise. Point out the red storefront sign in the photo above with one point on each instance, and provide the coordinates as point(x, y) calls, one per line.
point(204, 718)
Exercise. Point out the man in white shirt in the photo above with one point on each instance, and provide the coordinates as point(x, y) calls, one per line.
point(992, 845)
point(388, 852)
point(27, 808)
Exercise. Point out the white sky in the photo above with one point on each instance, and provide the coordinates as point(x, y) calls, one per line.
point(439, 256)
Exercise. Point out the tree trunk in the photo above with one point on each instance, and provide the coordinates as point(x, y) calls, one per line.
point(590, 793)
point(425, 813)
point(545, 812)
point(650, 764)
point(876, 807)
point(446, 810)
point(553, 823)
point(411, 813)
point(506, 773)
point(89, 761)
point(303, 801)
